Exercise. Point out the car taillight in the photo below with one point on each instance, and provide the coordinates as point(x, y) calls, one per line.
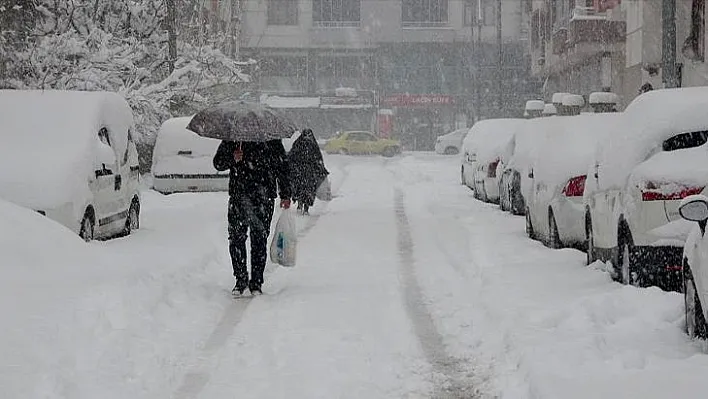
point(492, 169)
point(667, 192)
point(575, 187)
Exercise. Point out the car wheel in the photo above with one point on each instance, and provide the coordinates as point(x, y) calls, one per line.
point(451, 151)
point(627, 272)
point(389, 152)
point(695, 320)
point(88, 227)
point(554, 237)
point(589, 242)
point(529, 226)
point(132, 222)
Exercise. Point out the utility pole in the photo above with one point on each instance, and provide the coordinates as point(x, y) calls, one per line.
point(171, 34)
point(478, 61)
point(668, 54)
point(500, 73)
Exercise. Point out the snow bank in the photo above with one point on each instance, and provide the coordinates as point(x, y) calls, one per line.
point(649, 120)
point(197, 152)
point(49, 142)
point(535, 105)
point(549, 109)
point(601, 97)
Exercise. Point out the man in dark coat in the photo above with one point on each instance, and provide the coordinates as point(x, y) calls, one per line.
point(307, 169)
point(258, 172)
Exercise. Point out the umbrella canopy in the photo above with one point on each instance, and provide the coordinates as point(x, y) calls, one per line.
point(241, 121)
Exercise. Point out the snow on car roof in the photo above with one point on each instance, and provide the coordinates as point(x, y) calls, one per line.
point(49, 141)
point(649, 120)
point(178, 150)
point(489, 137)
point(567, 145)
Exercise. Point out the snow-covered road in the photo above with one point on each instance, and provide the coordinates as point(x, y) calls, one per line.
point(406, 287)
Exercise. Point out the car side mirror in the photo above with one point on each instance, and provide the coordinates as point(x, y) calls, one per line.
point(694, 208)
point(531, 174)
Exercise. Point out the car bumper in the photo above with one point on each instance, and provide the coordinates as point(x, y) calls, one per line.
point(570, 219)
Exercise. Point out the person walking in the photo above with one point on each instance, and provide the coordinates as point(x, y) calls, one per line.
point(259, 172)
point(307, 169)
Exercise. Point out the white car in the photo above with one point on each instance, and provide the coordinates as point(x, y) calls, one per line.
point(469, 159)
point(183, 160)
point(555, 211)
point(656, 157)
point(695, 266)
point(492, 141)
point(515, 165)
point(451, 143)
point(70, 156)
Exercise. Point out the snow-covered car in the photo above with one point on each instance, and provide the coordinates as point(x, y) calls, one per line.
point(491, 139)
point(695, 266)
point(515, 164)
point(469, 159)
point(182, 160)
point(451, 143)
point(71, 156)
point(555, 213)
point(656, 157)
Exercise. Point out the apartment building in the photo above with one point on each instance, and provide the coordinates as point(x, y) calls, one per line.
point(341, 63)
point(578, 46)
point(644, 44)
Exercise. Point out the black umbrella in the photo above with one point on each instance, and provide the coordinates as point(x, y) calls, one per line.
point(241, 121)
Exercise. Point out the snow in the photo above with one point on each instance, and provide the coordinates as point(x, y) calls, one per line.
point(567, 145)
point(557, 98)
point(490, 137)
point(649, 120)
point(573, 100)
point(549, 109)
point(603, 98)
point(405, 287)
point(688, 167)
point(535, 105)
point(174, 137)
point(290, 102)
point(50, 143)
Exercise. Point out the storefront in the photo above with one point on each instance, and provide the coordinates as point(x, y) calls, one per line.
point(418, 119)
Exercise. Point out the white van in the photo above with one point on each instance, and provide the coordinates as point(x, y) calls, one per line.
point(70, 156)
point(183, 161)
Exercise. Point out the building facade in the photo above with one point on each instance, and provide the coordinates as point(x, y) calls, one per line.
point(578, 46)
point(412, 61)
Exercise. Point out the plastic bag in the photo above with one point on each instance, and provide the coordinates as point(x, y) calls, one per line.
point(324, 191)
point(283, 248)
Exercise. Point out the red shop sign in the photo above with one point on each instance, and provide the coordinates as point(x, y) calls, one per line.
point(413, 100)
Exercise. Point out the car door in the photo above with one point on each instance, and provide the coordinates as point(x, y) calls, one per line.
point(356, 143)
point(370, 144)
point(106, 171)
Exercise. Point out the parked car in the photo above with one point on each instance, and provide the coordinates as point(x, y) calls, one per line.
point(182, 160)
point(362, 143)
point(451, 143)
point(492, 141)
point(555, 213)
point(656, 157)
point(72, 158)
point(515, 165)
point(469, 158)
point(695, 266)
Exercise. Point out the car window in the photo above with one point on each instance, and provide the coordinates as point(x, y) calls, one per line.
point(368, 137)
point(104, 136)
point(686, 140)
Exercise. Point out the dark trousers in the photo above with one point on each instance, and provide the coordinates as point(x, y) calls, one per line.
point(249, 212)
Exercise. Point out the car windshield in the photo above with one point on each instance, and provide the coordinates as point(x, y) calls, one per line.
point(686, 140)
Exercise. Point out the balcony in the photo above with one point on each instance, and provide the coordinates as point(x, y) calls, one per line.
point(587, 26)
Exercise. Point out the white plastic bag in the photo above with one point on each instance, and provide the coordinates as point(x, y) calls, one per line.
point(324, 191)
point(283, 248)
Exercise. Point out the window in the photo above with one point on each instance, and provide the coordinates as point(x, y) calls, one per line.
point(284, 74)
point(471, 12)
point(489, 13)
point(104, 136)
point(686, 140)
point(424, 13)
point(336, 13)
point(282, 12)
point(695, 44)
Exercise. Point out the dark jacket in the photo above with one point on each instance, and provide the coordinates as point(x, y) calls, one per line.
point(263, 166)
point(307, 167)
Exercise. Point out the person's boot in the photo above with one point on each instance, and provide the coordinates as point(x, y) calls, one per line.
point(255, 288)
point(239, 288)
point(306, 210)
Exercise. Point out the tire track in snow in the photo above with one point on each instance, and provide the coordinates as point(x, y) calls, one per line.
point(194, 382)
point(453, 384)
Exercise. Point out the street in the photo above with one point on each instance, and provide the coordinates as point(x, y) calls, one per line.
point(405, 287)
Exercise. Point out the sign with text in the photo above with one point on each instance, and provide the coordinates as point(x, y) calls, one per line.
point(418, 100)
